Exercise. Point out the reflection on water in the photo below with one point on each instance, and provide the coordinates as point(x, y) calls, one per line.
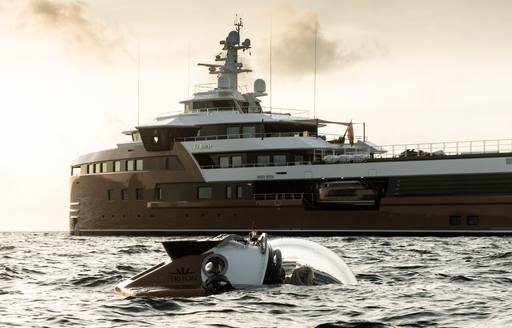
point(51, 279)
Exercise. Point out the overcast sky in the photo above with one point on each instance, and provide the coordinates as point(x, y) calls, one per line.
point(414, 71)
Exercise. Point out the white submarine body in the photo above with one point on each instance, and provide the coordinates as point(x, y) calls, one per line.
point(226, 262)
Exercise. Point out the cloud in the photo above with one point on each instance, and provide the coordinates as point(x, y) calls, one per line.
point(293, 47)
point(75, 27)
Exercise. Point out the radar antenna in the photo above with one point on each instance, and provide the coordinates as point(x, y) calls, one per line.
point(227, 73)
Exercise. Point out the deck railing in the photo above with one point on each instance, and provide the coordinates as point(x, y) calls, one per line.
point(256, 165)
point(247, 135)
point(473, 147)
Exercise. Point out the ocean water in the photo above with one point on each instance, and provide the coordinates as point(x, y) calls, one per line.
point(55, 280)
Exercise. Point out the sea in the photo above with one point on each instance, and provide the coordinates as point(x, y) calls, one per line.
point(56, 280)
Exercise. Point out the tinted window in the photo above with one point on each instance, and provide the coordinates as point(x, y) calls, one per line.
point(233, 132)
point(263, 160)
point(224, 161)
point(249, 131)
point(455, 220)
point(279, 159)
point(130, 165)
point(298, 158)
point(239, 193)
point(110, 194)
point(139, 194)
point(117, 166)
point(204, 192)
point(124, 194)
point(229, 193)
point(139, 165)
point(472, 219)
point(236, 161)
point(158, 194)
point(214, 105)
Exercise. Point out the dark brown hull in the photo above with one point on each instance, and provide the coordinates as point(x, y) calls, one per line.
point(394, 213)
point(415, 215)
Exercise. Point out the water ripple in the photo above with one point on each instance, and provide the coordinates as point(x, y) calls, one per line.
point(403, 282)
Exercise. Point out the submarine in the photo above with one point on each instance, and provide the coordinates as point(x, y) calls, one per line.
point(200, 267)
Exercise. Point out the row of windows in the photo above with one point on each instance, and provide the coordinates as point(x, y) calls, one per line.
point(206, 192)
point(123, 194)
point(457, 220)
point(261, 160)
point(233, 132)
point(151, 163)
point(118, 166)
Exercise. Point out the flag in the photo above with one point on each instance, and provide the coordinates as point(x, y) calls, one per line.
point(350, 133)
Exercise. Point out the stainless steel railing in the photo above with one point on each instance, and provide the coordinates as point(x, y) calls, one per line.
point(447, 148)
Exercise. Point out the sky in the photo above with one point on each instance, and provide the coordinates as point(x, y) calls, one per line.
point(414, 71)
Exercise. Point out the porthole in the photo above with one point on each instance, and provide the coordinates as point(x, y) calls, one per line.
point(214, 264)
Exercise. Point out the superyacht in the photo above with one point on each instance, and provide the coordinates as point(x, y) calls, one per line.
point(225, 164)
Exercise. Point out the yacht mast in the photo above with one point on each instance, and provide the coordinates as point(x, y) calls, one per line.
point(228, 72)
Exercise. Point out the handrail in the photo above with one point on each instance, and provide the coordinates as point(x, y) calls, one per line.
point(215, 166)
point(287, 111)
point(492, 146)
point(246, 135)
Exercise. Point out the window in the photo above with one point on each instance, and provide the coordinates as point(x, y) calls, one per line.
point(75, 170)
point(104, 168)
point(110, 194)
point(204, 193)
point(117, 166)
point(136, 137)
point(233, 132)
point(224, 161)
point(279, 160)
point(139, 194)
point(263, 160)
point(214, 104)
point(455, 220)
point(472, 219)
point(124, 194)
point(90, 169)
point(139, 165)
point(229, 193)
point(97, 168)
point(130, 165)
point(239, 193)
point(298, 159)
point(236, 161)
point(158, 193)
point(249, 132)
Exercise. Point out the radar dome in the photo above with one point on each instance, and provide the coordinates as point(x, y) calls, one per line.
point(233, 38)
point(259, 85)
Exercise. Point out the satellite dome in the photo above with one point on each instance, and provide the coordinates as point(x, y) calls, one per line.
point(233, 38)
point(259, 85)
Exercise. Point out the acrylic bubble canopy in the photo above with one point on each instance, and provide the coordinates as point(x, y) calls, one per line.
point(309, 253)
